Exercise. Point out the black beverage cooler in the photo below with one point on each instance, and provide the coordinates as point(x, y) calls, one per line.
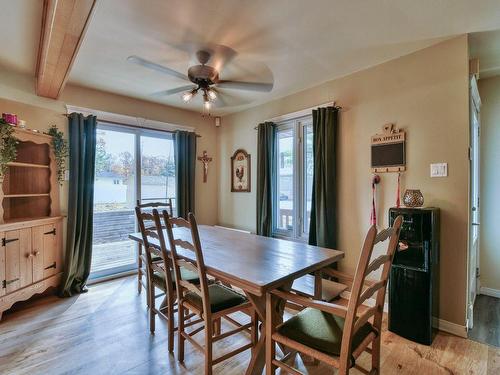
point(414, 278)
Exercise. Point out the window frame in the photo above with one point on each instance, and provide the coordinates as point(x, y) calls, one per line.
point(299, 126)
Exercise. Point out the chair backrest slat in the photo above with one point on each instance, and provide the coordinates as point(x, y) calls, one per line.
point(375, 264)
point(187, 265)
point(367, 293)
point(365, 317)
point(184, 244)
point(157, 205)
point(383, 235)
point(180, 222)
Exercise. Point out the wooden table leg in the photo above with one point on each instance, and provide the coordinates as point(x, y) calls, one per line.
point(258, 361)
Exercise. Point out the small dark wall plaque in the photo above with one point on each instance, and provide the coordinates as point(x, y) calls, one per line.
point(240, 171)
point(388, 150)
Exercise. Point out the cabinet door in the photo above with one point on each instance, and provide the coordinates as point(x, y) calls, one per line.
point(52, 244)
point(37, 237)
point(18, 262)
point(2, 266)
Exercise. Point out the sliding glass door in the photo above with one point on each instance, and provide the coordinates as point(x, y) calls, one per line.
point(157, 169)
point(131, 164)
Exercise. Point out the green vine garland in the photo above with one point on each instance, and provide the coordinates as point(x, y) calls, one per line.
point(61, 151)
point(8, 143)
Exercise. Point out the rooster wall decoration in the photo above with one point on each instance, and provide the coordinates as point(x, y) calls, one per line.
point(240, 171)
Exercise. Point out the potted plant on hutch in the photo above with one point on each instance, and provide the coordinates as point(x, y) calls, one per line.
point(8, 151)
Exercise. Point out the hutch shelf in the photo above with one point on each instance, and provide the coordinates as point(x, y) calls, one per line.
point(30, 221)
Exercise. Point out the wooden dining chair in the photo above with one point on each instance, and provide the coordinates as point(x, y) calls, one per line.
point(209, 302)
point(141, 260)
point(158, 273)
point(331, 333)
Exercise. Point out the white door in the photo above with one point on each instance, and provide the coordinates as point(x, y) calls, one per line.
point(475, 104)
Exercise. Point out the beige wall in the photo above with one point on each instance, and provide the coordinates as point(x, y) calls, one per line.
point(489, 254)
point(425, 93)
point(17, 96)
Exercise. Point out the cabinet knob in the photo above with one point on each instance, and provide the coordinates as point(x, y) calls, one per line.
point(36, 253)
point(29, 255)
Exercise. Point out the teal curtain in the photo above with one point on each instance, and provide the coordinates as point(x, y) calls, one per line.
point(323, 225)
point(266, 173)
point(185, 163)
point(82, 146)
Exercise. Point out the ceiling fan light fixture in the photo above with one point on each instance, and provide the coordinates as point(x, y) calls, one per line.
point(187, 96)
point(206, 102)
point(212, 95)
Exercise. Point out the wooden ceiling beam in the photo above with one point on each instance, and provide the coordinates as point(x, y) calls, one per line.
point(63, 27)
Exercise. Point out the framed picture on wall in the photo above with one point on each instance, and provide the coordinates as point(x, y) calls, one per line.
point(240, 171)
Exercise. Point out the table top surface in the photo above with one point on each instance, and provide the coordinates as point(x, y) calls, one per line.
point(253, 263)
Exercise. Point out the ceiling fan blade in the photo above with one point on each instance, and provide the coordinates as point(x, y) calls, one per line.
point(249, 86)
point(159, 68)
point(225, 99)
point(174, 91)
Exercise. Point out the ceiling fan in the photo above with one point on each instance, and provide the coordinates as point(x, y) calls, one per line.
point(205, 80)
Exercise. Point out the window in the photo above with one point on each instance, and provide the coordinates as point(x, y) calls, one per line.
point(130, 164)
point(294, 172)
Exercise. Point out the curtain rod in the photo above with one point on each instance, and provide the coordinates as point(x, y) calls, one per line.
point(277, 118)
point(132, 126)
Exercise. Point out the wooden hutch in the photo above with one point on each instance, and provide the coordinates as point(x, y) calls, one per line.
point(30, 221)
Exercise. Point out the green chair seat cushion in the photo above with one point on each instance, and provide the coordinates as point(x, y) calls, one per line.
point(221, 298)
point(160, 282)
point(321, 331)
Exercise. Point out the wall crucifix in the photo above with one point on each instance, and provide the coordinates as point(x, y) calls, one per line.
point(205, 160)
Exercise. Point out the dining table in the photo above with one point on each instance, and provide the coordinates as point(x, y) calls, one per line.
point(256, 265)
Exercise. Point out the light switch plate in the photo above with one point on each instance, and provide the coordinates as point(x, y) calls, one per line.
point(66, 175)
point(439, 170)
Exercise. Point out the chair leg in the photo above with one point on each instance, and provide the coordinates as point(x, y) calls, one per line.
point(376, 355)
point(170, 323)
point(139, 270)
point(269, 327)
point(148, 294)
point(208, 348)
point(180, 332)
point(152, 313)
point(255, 329)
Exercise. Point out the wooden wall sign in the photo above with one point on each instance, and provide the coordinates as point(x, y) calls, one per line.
point(388, 150)
point(240, 171)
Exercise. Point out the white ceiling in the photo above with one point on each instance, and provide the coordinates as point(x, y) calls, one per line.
point(19, 34)
point(296, 43)
point(485, 46)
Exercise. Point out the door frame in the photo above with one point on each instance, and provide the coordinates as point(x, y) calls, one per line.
point(473, 270)
point(97, 276)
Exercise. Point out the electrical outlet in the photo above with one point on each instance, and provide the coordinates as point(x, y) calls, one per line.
point(439, 170)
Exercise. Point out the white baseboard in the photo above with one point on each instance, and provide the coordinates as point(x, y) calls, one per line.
point(228, 228)
point(449, 327)
point(489, 292)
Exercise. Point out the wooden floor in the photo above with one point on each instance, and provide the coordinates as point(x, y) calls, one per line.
point(105, 332)
point(486, 320)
